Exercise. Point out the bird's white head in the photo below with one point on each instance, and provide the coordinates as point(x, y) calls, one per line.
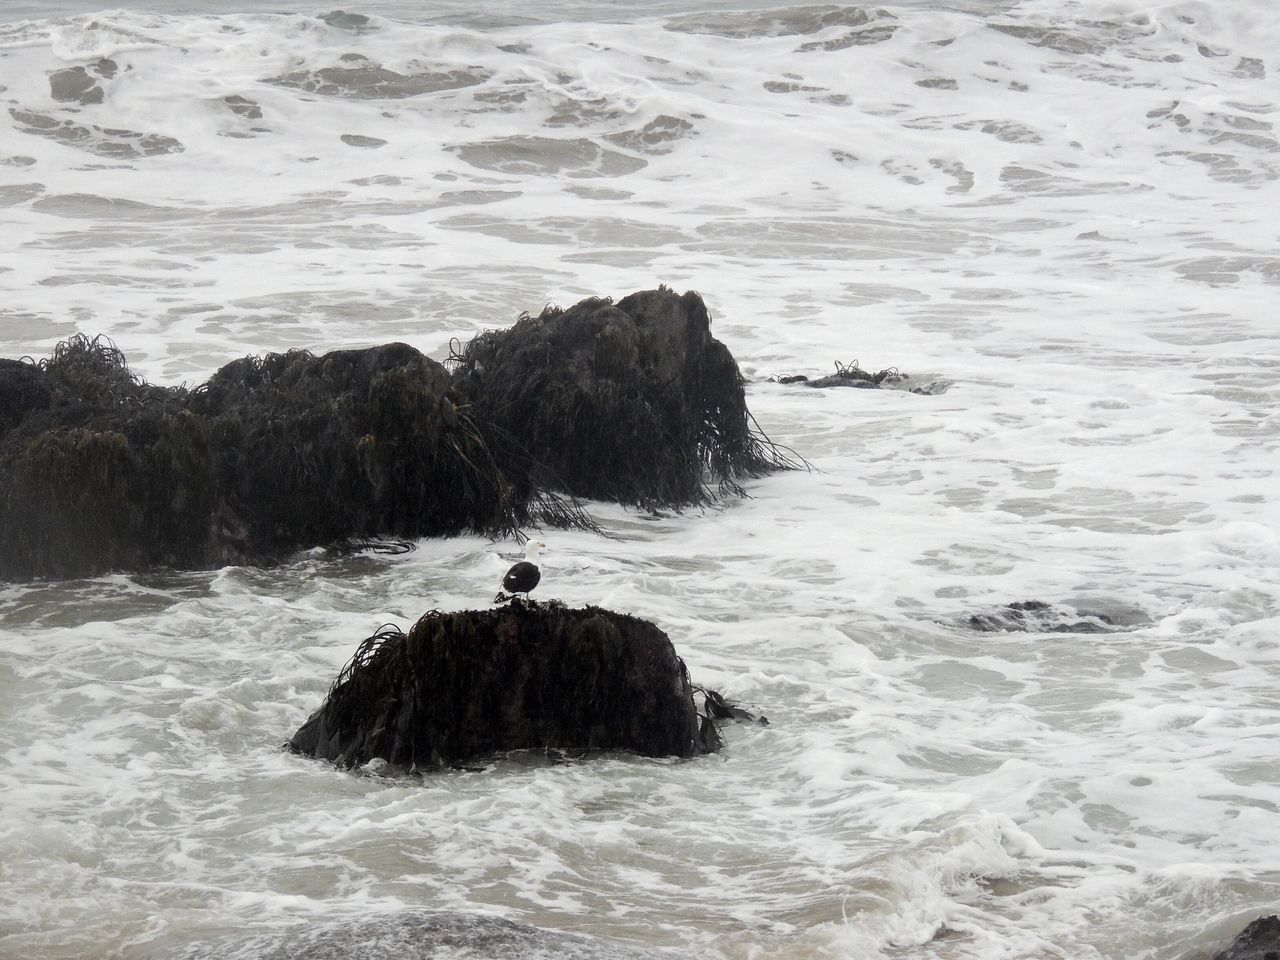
point(531, 550)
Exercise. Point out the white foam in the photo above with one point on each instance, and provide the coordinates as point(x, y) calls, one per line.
point(1064, 212)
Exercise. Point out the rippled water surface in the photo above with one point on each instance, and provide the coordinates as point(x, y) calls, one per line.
point(1058, 220)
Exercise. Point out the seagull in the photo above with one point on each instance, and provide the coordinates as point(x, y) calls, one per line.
point(523, 576)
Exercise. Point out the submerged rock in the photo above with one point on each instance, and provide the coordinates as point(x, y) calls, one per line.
point(409, 935)
point(1260, 940)
point(852, 375)
point(848, 375)
point(23, 389)
point(716, 707)
point(1037, 616)
point(462, 686)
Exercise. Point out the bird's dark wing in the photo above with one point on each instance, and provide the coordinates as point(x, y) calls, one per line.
point(521, 578)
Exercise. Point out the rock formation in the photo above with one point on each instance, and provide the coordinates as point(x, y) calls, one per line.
point(462, 686)
point(101, 471)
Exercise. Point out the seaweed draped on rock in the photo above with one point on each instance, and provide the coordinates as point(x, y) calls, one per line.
point(634, 402)
point(464, 685)
point(359, 443)
point(101, 471)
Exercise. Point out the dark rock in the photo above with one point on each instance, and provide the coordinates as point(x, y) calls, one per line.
point(412, 934)
point(867, 382)
point(634, 402)
point(852, 375)
point(1260, 940)
point(23, 388)
point(718, 708)
point(101, 471)
point(462, 686)
point(359, 443)
point(848, 375)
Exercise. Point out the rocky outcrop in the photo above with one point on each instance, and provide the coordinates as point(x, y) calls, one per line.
point(101, 471)
point(633, 401)
point(852, 375)
point(462, 686)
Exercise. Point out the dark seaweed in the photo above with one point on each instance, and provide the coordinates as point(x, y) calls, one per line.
point(465, 685)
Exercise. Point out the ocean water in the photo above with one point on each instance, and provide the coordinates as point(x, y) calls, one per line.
point(1059, 218)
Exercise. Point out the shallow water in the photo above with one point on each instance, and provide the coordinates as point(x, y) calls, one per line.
point(1060, 214)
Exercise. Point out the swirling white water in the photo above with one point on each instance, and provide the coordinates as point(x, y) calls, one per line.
point(1066, 211)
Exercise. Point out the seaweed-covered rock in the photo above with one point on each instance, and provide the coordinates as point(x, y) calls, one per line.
point(852, 375)
point(716, 707)
point(847, 375)
point(633, 401)
point(101, 471)
point(1260, 940)
point(464, 685)
point(413, 934)
point(23, 388)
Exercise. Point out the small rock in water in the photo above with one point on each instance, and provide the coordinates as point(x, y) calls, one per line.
point(848, 375)
point(465, 685)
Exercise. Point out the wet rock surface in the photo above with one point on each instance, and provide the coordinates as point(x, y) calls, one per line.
point(101, 471)
point(1260, 940)
point(462, 686)
point(634, 402)
point(853, 376)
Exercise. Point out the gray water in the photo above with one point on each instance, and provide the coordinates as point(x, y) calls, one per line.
point(1056, 219)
